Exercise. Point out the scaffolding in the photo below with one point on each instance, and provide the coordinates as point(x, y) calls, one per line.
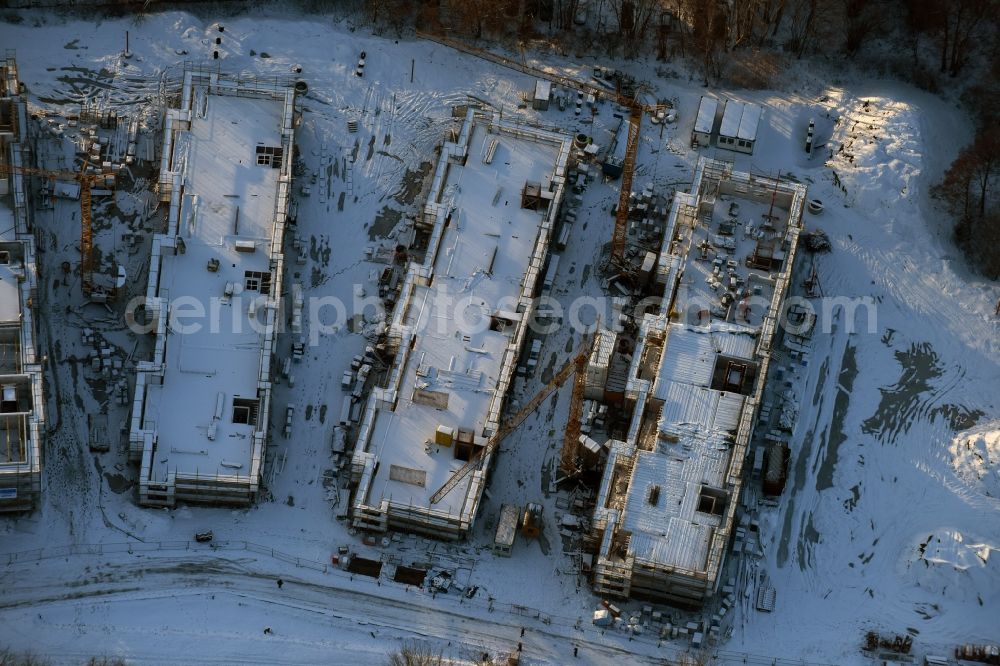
point(685, 568)
point(22, 409)
point(375, 512)
point(170, 482)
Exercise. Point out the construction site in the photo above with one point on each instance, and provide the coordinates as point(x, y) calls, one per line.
point(458, 329)
point(650, 445)
point(226, 175)
point(644, 465)
point(22, 404)
point(411, 335)
point(671, 490)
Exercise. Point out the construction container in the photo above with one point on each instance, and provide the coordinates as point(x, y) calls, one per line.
point(704, 122)
point(550, 274)
point(598, 364)
point(647, 268)
point(590, 451)
point(543, 92)
point(564, 234)
point(503, 542)
point(444, 435)
point(775, 468)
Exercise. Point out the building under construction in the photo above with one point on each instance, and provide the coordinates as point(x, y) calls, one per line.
point(458, 328)
point(670, 491)
point(200, 415)
point(22, 406)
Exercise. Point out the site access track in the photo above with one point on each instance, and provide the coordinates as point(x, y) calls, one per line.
point(349, 604)
point(559, 79)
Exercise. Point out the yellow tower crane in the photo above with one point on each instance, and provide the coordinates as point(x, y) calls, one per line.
point(577, 364)
point(87, 181)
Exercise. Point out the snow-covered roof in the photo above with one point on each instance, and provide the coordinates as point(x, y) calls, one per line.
point(510, 515)
point(740, 120)
point(733, 340)
point(687, 404)
point(749, 122)
point(543, 89)
point(228, 207)
point(685, 376)
point(706, 115)
point(604, 347)
point(10, 297)
point(20, 373)
point(691, 359)
point(692, 448)
point(701, 430)
point(661, 511)
point(481, 267)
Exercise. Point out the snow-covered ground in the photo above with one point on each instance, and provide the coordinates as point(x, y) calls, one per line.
point(890, 518)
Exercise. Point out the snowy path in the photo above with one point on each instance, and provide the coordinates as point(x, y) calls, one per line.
point(326, 614)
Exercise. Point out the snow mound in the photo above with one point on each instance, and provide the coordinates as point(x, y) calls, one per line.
point(959, 565)
point(975, 455)
point(881, 158)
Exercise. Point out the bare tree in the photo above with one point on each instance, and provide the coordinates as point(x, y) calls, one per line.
point(984, 157)
point(633, 18)
point(680, 19)
point(962, 18)
point(982, 99)
point(474, 17)
point(966, 188)
point(772, 11)
point(373, 10)
point(753, 22)
point(565, 13)
point(700, 658)
point(666, 26)
point(10, 658)
point(415, 654)
point(709, 28)
point(861, 19)
point(743, 18)
point(955, 24)
point(802, 24)
point(392, 13)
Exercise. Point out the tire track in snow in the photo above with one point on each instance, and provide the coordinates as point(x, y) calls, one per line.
point(191, 572)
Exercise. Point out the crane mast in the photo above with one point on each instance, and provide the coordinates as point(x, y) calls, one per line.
point(577, 364)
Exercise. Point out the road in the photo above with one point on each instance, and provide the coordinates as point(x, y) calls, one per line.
point(201, 608)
